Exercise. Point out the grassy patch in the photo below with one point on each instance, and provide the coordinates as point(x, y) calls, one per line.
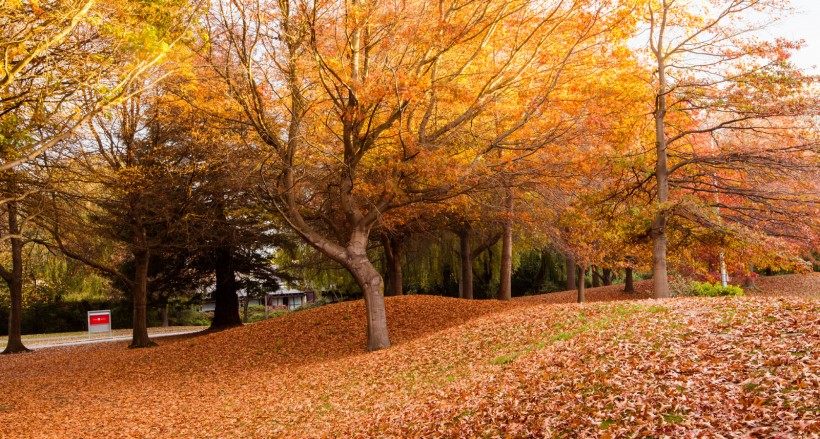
point(673, 417)
point(606, 423)
point(750, 387)
point(563, 336)
point(504, 359)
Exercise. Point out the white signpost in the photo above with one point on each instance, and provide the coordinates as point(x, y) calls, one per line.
point(100, 321)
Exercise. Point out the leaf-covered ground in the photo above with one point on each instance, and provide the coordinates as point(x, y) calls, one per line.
point(745, 367)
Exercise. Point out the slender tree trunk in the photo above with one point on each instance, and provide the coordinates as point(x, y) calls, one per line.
point(660, 280)
point(629, 286)
point(572, 265)
point(139, 338)
point(466, 260)
point(660, 277)
point(581, 283)
point(596, 277)
point(15, 284)
point(245, 305)
point(607, 277)
point(226, 311)
point(163, 312)
point(505, 285)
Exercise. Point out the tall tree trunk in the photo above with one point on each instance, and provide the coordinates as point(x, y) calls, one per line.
point(139, 338)
point(245, 305)
point(581, 283)
point(660, 279)
point(14, 279)
point(629, 285)
point(372, 285)
point(607, 277)
point(226, 311)
point(505, 284)
point(596, 277)
point(466, 259)
point(572, 265)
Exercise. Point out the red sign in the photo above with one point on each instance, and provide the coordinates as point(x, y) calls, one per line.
point(102, 319)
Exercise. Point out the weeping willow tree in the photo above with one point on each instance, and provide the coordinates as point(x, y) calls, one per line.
point(54, 278)
point(430, 265)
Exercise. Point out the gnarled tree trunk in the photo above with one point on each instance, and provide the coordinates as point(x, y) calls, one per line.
point(372, 285)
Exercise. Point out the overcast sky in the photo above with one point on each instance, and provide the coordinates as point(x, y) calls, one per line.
point(804, 25)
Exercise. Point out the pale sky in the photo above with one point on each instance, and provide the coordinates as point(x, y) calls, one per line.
point(805, 25)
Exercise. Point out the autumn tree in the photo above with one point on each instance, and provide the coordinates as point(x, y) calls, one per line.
point(64, 63)
point(20, 205)
point(366, 107)
point(714, 79)
point(130, 187)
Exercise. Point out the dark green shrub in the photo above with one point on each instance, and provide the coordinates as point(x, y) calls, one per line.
point(190, 317)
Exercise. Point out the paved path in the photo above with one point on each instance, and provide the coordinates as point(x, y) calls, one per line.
point(35, 346)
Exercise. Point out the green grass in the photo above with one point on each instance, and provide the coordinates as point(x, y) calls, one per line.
point(606, 423)
point(673, 417)
point(504, 359)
